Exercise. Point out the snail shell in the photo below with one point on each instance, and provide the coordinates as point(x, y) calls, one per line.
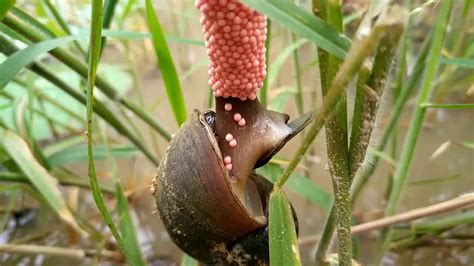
point(198, 206)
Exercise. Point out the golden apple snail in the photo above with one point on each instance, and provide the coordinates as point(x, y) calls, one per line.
point(212, 204)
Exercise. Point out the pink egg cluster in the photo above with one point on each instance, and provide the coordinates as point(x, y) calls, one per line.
point(235, 41)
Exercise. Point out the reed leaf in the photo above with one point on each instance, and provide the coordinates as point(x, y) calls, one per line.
point(44, 182)
point(283, 243)
point(166, 64)
point(303, 23)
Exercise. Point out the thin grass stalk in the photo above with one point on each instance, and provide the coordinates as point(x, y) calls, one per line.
point(94, 55)
point(63, 25)
point(7, 48)
point(264, 90)
point(401, 172)
point(81, 68)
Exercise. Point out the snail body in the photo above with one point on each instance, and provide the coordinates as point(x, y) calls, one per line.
point(198, 202)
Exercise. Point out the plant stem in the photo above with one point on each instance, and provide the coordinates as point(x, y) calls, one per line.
point(415, 125)
point(435, 209)
point(408, 87)
point(58, 251)
point(336, 136)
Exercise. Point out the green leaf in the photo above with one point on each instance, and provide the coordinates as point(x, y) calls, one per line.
point(168, 70)
point(188, 260)
point(299, 184)
point(283, 241)
point(46, 184)
point(303, 23)
point(13, 64)
point(462, 62)
point(127, 228)
point(77, 154)
point(5, 6)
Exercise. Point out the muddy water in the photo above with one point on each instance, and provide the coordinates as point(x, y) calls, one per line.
point(456, 162)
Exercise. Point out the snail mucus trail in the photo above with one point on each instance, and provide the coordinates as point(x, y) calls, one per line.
point(212, 204)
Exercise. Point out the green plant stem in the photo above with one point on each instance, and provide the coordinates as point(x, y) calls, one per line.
point(336, 137)
point(416, 122)
point(407, 89)
point(264, 90)
point(81, 68)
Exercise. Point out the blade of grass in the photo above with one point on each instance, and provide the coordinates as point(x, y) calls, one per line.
point(166, 64)
point(46, 184)
point(282, 233)
point(415, 124)
point(303, 23)
point(94, 57)
point(187, 260)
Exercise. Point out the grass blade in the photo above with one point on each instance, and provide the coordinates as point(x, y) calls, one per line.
point(46, 184)
point(127, 228)
point(303, 23)
point(168, 70)
point(282, 233)
point(13, 64)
